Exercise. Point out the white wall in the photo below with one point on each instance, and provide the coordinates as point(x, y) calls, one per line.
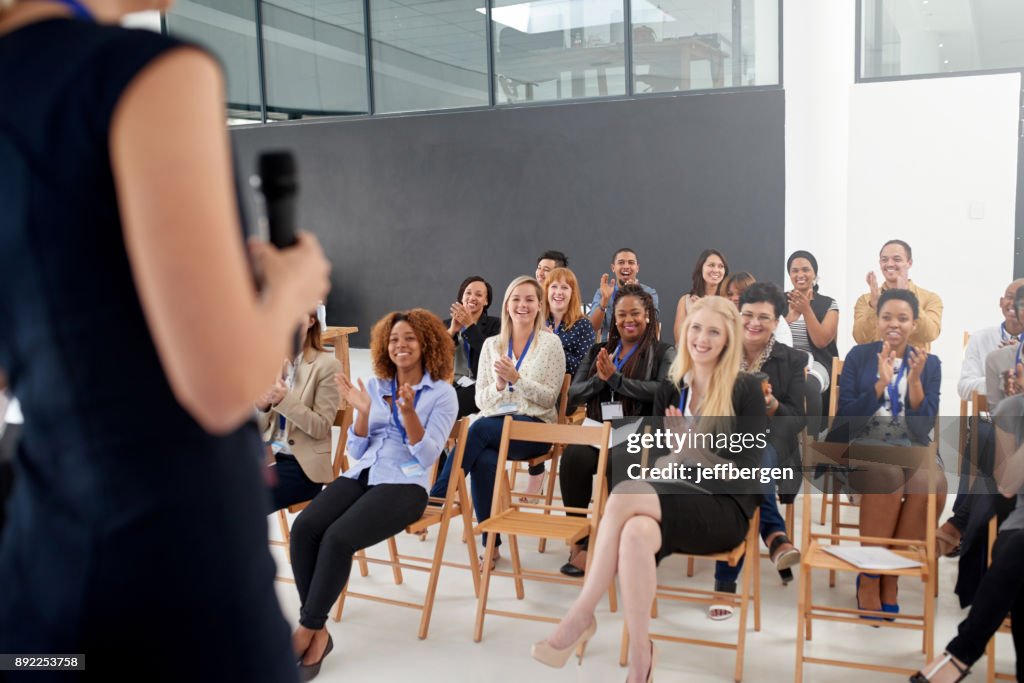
point(934, 162)
point(818, 63)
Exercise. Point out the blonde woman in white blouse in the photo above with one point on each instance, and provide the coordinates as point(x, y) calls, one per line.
point(521, 372)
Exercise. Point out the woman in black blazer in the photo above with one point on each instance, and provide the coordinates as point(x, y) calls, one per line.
point(645, 521)
point(469, 325)
point(626, 370)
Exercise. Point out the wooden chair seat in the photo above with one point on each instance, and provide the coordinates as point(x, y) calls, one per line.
point(525, 523)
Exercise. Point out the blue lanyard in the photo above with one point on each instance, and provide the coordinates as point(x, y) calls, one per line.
point(79, 10)
point(1017, 361)
point(520, 361)
point(683, 393)
point(1006, 336)
point(466, 347)
point(394, 408)
point(894, 386)
point(619, 363)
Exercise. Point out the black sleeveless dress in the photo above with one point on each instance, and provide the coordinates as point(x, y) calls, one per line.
point(133, 536)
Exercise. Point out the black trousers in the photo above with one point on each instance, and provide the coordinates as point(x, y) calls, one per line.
point(347, 516)
point(8, 444)
point(576, 470)
point(1001, 591)
point(292, 485)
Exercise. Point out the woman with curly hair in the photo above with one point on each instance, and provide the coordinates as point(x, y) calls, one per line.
point(403, 417)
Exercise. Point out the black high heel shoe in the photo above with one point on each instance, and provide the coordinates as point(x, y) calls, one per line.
point(308, 672)
point(947, 658)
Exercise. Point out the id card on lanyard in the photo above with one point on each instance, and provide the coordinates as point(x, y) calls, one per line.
point(895, 405)
point(413, 468)
point(612, 410)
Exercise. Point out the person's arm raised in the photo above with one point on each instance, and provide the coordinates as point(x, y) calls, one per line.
point(218, 341)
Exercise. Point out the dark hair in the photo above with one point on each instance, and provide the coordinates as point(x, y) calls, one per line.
point(470, 280)
point(1018, 299)
point(810, 257)
point(619, 251)
point(906, 248)
point(765, 292)
point(698, 288)
point(639, 360)
point(741, 278)
point(560, 259)
point(898, 295)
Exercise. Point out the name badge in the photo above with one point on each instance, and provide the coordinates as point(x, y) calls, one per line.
point(465, 381)
point(611, 410)
point(506, 409)
point(413, 469)
point(276, 447)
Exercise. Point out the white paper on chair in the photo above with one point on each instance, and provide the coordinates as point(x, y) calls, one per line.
point(870, 557)
point(619, 434)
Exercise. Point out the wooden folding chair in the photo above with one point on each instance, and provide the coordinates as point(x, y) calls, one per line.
point(342, 419)
point(965, 411)
point(990, 649)
point(514, 519)
point(552, 455)
point(748, 548)
point(816, 558)
point(440, 512)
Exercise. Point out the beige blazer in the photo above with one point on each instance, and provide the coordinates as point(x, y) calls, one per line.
point(309, 410)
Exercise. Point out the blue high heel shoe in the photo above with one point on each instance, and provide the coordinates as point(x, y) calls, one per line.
point(864, 616)
point(891, 608)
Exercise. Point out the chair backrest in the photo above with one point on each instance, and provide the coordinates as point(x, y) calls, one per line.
point(563, 400)
point(542, 432)
point(459, 432)
point(833, 397)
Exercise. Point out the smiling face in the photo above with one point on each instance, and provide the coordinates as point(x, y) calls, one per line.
point(735, 292)
point(544, 266)
point(474, 298)
point(896, 323)
point(713, 272)
point(404, 347)
point(894, 263)
point(706, 336)
point(523, 305)
point(559, 294)
point(630, 318)
point(801, 274)
point(1006, 305)
point(625, 267)
point(759, 323)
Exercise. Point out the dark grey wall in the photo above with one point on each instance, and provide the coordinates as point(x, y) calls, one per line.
point(406, 207)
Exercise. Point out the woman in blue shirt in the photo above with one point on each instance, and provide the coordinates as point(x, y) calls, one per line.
point(889, 395)
point(394, 443)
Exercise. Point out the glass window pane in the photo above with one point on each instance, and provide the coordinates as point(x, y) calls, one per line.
point(683, 45)
point(906, 38)
point(428, 54)
point(228, 29)
point(558, 49)
point(315, 58)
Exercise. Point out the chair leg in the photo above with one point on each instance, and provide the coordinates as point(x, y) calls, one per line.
point(801, 618)
point(364, 567)
point(690, 564)
point(613, 601)
point(286, 536)
point(467, 536)
point(485, 584)
point(396, 570)
point(549, 497)
point(757, 593)
point(624, 647)
point(824, 496)
point(990, 655)
point(517, 568)
point(339, 607)
point(435, 574)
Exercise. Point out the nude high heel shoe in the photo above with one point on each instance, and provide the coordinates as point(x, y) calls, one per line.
point(545, 654)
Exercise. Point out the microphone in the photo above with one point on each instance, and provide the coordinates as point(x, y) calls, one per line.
point(276, 181)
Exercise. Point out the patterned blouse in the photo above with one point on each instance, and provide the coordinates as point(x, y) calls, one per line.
point(576, 341)
point(540, 379)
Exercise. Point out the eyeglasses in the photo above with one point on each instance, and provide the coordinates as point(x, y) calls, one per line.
point(764, 319)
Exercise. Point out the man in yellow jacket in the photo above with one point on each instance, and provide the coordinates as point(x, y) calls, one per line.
point(895, 259)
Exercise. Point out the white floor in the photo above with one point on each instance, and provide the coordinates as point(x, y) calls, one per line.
point(378, 642)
